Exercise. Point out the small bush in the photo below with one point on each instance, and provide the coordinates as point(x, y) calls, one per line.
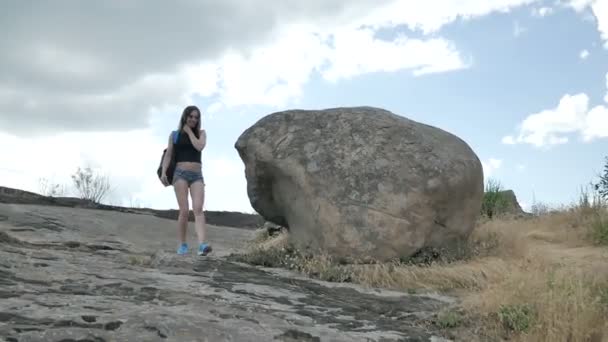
point(590, 200)
point(494, 201)
point(47, 188)
point(591, 211)
point(602, 186)
point(538, 208)
point(599, 230)
point(91, 186)
point(449, 319)
point(516, 318)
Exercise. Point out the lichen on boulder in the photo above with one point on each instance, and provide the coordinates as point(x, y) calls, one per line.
point(361, 182)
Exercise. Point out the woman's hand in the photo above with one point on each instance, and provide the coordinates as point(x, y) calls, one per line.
point(164, 180)
point(198, 143)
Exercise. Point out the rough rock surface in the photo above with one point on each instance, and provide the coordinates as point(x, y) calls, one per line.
point(361, 182)
point(91, 275)
point(221, 218)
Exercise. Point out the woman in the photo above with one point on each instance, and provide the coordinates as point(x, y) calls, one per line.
point(188, 175)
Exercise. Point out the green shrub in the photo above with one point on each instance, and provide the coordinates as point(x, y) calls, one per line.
point(517, 318)
point(602, 185)
point(449, 319)
point(494, 200)
point(599, 229)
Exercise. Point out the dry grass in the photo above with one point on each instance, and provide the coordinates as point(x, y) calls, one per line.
point(487, 261)
point(555, 290)
point(534, 279)
point(140, 260)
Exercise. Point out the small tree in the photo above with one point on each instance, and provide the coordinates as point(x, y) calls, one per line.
point(494, 200)
point(602, 185)
point(90, 186)
point(50, 189)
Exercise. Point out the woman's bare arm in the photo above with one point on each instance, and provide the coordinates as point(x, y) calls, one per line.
point(199, 143)
point(168, 154)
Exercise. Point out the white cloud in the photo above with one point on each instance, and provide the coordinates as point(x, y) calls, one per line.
point(579, 5)
point(572, 115)
point(358, 52)
point(596, 123)
point(599, 8)
point(584, 54)
point(265, 56)
point(274, 74)
point(542, 11)
point(81, 76)
point(127, 107)
point(490, 166)
point(430, 16)
point(508, 140)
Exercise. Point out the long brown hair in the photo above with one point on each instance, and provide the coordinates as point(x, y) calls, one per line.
point(184, 117)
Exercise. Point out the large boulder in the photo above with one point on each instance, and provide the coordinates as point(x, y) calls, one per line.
point(361, 182)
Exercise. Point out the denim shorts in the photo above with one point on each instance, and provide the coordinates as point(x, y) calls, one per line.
point(188, 176)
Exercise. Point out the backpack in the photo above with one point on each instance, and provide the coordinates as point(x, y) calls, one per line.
point(172, 162)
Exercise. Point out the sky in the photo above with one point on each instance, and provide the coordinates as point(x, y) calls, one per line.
point(102, 84)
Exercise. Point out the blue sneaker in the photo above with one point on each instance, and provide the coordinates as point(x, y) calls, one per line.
point(204, 249)
point(183, 249)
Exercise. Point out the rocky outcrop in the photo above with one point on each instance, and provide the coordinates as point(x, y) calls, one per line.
point(361, 182)
point(89, 275)
point(220, 218)
point(512, 205)
point(502, 203)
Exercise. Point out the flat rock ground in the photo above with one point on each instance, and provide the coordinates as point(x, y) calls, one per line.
point(88, 275)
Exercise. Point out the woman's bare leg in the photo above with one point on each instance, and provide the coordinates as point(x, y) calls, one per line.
point(197, 191)
point(181, 193)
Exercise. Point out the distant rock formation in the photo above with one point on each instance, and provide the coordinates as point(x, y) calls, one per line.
point(513, 206)
point(361, 182)
point(219, 218)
